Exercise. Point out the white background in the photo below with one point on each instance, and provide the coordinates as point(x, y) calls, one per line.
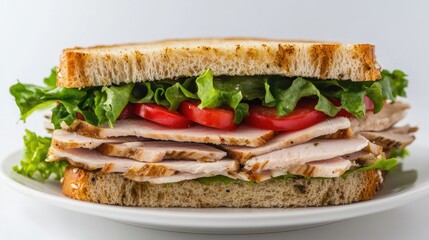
point(33, 33)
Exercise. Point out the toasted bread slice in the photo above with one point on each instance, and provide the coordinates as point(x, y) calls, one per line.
point(112, 188)
point(107, 65)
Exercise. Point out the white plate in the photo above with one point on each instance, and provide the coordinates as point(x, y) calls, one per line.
point(403, 185)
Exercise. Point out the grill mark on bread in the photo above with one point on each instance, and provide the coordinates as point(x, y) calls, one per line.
point(109, 74)
point(75, 66)
point(127, 61)
point(252, 53)
point(323, 56)
point(367, 60)
point(284, 57)
point(139, 57)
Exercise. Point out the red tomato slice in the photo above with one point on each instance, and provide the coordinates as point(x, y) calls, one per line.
point(161, 115)
point(127, 112)
point(302, 117)
point(211, 117)
point(368, 104)
point(80, 116)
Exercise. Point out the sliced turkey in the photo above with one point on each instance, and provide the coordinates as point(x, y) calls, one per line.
point(158, 150)
point(93, 160)
point(63, 139)
point(314, 150)
point(394, 138)
point(242, 135)
point(386, 118)
point(361, 155)
point(329, 168)
point(287, 139)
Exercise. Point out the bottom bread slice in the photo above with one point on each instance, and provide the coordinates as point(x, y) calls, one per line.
point(113, 188)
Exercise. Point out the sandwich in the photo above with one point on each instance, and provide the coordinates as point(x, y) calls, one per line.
point(217, 123)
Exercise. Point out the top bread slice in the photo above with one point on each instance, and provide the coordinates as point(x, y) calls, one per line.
point(107, 65)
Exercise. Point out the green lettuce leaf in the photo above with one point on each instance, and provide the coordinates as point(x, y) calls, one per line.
point(160, 98)
point(285, 96)
point(178, 93)
point(29, 98)
point(61, 113)
point(399, 153)
point(287, 99)
point(375, 93)
point(269, 99)
point(213, 98)
point(97, 104)
point(241, 111)
point(214, 179)
point(351, 94)
point(175, 96)
point(251, 87)
point(142, 93)
point(66, 111)
point(352, 97)
point(394, 84)
point(117, 97)
point(104, 104)
point(51, 81)
point(107, 104)
point(381, 164)
point(33, 163)
point(286, 177)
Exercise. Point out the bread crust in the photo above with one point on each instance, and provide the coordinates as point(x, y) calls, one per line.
point(113, 188)
point(170, 59)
